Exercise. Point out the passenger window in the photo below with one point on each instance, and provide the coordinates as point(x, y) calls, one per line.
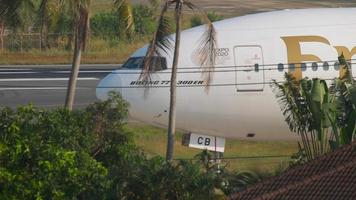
point(257, 67)
point(314, 66)
point(303, 66)
point(280, 67)
point(291, 67)
point(337, 66)
point(326, 66)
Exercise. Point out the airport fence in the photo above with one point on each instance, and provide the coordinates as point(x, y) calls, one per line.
point(22, 42)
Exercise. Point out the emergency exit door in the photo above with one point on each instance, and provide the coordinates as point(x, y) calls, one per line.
point(249, 68)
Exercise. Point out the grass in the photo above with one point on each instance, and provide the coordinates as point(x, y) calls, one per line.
point(153, 142)
point(101, 52)
point(98, 51)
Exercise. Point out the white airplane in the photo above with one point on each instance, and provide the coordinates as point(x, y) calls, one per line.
point(252, 51)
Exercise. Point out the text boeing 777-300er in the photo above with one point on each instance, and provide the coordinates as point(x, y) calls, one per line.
point(252, 51)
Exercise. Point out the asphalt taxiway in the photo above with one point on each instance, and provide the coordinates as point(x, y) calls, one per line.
point(46, 85)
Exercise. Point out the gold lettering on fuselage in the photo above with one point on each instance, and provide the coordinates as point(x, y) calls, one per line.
point(295, 55)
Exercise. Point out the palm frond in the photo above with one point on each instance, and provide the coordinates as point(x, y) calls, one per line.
point(292, 103)
point(205, 53)
point(346, 66)
point(124, 9)
point(160, 42)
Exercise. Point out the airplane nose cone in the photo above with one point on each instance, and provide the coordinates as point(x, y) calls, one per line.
point(112, 82)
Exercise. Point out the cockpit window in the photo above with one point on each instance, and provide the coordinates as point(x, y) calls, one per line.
point(159, 63)
point(134, 63)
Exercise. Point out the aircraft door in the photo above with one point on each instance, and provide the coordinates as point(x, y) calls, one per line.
point(249, 74)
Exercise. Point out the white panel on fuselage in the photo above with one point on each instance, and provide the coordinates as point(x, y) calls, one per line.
point(249, 68)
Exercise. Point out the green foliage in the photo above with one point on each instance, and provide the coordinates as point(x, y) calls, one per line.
point(196, 20)
point(44, 154)
point(85, 154)
point(48, 154)
point(145, 19)
point(109, 25)
point(324, 117)
point(63, 25)
point(214, 17)
point(105, 25)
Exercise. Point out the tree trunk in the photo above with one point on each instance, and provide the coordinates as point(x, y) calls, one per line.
point(2, 32)
point(74, 75)
point(80, 40)
point(173, 88)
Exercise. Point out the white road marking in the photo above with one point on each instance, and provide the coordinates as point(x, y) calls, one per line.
point(18, 72)
point(96, 71)
point(11, 69)
point(45, 79)
point(37, 88)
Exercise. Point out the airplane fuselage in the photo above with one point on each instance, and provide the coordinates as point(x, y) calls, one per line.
point(252, 51)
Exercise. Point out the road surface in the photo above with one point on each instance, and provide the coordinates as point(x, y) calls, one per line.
point(45, 85)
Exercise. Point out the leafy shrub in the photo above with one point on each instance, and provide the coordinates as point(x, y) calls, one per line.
point(145, 21)
point(85, 154)
point(195, 20)
point(214, 17)
point(45, 154)
point(105, 25)
point(48, 154)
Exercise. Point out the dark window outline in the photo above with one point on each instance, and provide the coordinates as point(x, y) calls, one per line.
point(326, 66)
point(257, 67)
point(280, 67)
point(303, 67)
point(314, 66)
point(160, 67)
point(337, 66)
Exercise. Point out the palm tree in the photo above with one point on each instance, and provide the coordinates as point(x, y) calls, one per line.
point(161, 42)
point(125, 12)
point(80, 10)
point(2, 32)
point(49, 13)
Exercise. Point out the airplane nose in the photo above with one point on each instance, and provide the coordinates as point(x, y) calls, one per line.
point(112, 82)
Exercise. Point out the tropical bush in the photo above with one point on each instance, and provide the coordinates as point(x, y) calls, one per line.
point(86, 154)
point(105, 25)
point(48, 154)
point(145, 19)
point(324, 117)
